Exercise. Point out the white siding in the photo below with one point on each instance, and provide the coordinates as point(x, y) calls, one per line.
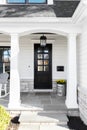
point(60, 58)
point(82, 59)
point(82, 71)
point(26, 59)
point(4, 40)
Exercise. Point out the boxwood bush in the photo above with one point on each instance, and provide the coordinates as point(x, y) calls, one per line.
point(4, 118)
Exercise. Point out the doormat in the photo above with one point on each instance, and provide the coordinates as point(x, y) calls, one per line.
point(76, 123)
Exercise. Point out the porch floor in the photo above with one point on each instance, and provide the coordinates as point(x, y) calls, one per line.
point(43, 101)
point(39, 101)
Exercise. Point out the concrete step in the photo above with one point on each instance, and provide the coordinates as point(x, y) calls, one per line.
point(43, 117)
point(36, 126)
point(73, 112)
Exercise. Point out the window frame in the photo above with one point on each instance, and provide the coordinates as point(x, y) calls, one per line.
point(26, 2)
point(3, 48)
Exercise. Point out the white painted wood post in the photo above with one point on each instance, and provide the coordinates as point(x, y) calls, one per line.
point(71, 97)
point(14, 99)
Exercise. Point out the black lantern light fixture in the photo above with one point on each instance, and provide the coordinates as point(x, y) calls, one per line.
point(43, 40)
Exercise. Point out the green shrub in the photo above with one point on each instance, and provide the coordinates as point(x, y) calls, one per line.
point(4, 118)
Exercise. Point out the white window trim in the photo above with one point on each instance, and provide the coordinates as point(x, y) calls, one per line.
point(50, 2)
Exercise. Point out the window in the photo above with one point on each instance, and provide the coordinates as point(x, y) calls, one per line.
point(37, 1)
point(16, 1)
point(27, 1)
point(5, 60)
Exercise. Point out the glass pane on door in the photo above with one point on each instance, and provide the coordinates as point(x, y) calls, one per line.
point(46, 56)
point(40, 56)
point(40, 68)
point(46, 68)
point(40, 62)
point(46, 51)
point(39, 50)
point(46, 62)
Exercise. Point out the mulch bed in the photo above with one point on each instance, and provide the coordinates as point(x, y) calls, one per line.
point(75, 123)
point(14, 123)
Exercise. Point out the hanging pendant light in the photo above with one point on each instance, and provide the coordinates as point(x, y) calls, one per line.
point(43, 40)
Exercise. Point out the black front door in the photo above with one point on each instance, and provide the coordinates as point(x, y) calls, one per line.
point(43, 66)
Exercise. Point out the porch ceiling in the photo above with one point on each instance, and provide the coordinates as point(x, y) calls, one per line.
point(37, 36)
point(60, 8)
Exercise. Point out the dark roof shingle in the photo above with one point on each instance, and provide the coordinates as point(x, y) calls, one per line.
point(58, 9)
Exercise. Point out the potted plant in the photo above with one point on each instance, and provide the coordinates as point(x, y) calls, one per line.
point(61, 81)
point(61, 87)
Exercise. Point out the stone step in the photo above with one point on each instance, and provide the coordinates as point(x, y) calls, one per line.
point(43, 117)
point(21, 111)
point(73, 112)
point(35, 126)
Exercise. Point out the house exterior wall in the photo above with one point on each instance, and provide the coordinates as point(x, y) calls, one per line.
point(66, 34)
point(26, 61)
point(4, 40)
point(82, 71)
point(60, 57)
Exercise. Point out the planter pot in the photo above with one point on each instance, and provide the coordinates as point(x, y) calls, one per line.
point(61, 89)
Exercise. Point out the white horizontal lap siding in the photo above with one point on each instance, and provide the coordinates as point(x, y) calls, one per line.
point(82, 60)
point(4, 40)
point(82, 71)
point(26, 62)
point(60, 58)
point(4, 44)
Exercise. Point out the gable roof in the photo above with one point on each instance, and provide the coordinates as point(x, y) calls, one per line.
point(60, 8)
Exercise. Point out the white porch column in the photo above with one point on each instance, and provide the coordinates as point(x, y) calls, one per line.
point(14, 101)
point(71, 97)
